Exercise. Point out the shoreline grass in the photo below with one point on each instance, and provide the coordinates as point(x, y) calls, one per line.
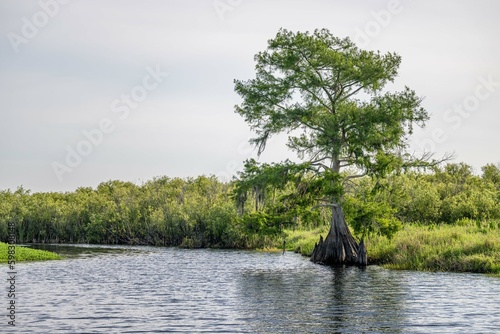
point(27, 254)
point(466, 247)
point(474, 247)
point(302, 241)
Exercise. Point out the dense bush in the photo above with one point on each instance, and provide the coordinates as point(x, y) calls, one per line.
point(446, 195)
point(204, 212)
point(198, 212)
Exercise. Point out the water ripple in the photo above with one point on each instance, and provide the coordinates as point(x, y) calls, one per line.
point(158, 290)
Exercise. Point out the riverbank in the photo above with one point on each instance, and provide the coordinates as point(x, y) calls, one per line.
point(468, 247)
point(26, 254)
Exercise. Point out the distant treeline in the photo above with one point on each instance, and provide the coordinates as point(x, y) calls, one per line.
point(205, 212)
point(164, 211)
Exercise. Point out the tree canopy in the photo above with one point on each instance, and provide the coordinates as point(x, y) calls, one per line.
point(327, 94)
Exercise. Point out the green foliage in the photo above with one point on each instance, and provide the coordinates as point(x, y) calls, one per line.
point(491, 174)
point(470, 247)
point(308, 84)
point(447, 195)
point(162, 211)
point(271, 197)
point(371, 216)
point(26, 254)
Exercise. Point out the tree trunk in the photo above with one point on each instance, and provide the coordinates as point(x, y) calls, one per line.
point(362, 260)
point(339, 247)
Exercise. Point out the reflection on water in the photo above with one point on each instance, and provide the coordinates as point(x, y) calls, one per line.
point(154, 290)
point(327, 300)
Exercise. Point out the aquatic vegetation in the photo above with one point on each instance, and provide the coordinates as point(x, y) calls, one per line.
point(26, 254)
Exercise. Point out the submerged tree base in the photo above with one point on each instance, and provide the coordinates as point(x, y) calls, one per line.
point(339, 247)
point(362, 260)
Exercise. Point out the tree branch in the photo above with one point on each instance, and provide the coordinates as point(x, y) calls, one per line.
point(331, 205)
point(328, 94)
point(320, 165)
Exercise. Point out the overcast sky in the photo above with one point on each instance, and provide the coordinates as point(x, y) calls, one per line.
point(97, 90)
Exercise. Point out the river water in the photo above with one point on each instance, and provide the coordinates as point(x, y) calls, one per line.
point(168, 290)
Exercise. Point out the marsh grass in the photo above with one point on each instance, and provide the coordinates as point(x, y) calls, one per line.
point(27, 254)
point(467, 246)
point(302, 241)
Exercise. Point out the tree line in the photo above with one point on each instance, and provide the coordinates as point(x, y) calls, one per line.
point(451, 194)
point(250, 211)
point(163, 211)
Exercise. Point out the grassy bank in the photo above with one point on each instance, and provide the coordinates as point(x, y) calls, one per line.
point(302, 241)
point(467, 247)
point(26, 254)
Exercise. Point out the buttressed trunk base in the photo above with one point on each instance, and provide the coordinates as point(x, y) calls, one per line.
point(339, 247)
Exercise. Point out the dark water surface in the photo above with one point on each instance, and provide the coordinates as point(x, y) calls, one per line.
point(164, 290)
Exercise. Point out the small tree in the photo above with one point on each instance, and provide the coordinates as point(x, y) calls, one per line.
point(327, 94)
